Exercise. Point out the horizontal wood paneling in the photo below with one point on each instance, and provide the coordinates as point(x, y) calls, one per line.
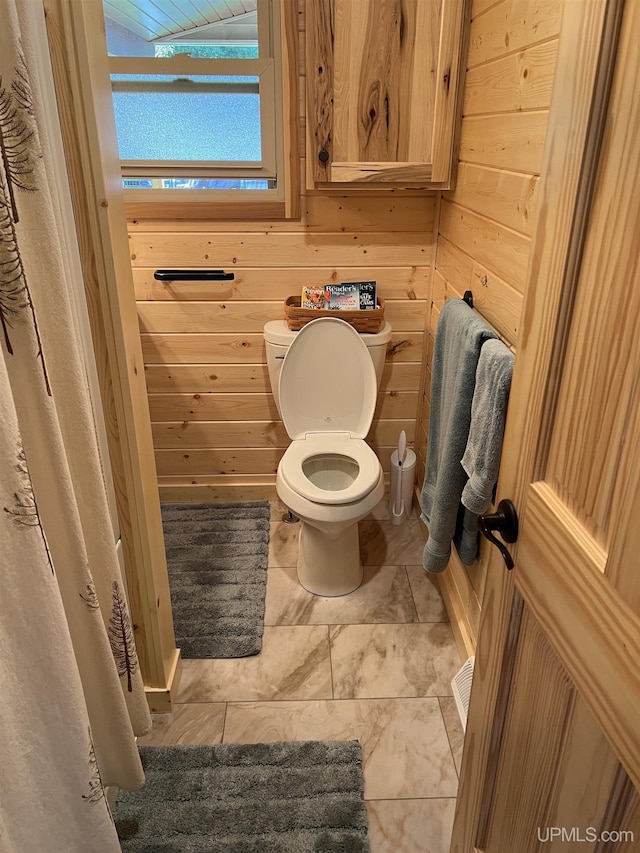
point(173, 435)
point(480, 6)
point(208, 378)
point(520, 81)
point(323, 213)
point(486, 223)
point(234, 460)
point(199, 349)
point(219, 460)
point(507, 141)
point(499, 303)
point(280, 282)
point(205, 378)
point(511, 26)
point(244, 349)
point(259, 407)
point(506, 197)
point(224, 250)
point(500, 249)
point(206, 317)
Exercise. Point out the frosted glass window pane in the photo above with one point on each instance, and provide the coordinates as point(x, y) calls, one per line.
point(187, 125)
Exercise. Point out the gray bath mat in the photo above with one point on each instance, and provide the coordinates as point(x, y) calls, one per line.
point(247, 798)
point(217, 559)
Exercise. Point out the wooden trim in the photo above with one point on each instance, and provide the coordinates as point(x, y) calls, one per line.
point(461, 626)
point(289, 107)
point(209, 210)
point(283, 203)
point(449, 75)
point(319, 89)
point(585, 58)
point(161, 699)
point(222, 487)
point(79, 58)
point(375, 172)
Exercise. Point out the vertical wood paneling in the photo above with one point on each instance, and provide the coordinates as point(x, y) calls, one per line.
point(587, 453)
point(538, 707)
point(486, 222)
point(214, 422)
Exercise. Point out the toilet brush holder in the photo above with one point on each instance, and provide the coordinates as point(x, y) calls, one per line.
point(407, 473)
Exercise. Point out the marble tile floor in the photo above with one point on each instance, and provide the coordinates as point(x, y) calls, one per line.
point(375, 666)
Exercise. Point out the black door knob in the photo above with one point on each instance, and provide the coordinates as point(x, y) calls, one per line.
point(505, 522)
point(323, 155)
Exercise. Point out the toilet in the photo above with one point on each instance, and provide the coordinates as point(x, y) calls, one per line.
point(325, 381)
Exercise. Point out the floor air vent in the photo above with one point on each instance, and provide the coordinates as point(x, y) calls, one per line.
point(461, 688)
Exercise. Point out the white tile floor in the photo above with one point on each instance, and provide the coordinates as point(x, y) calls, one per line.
point(375, 665)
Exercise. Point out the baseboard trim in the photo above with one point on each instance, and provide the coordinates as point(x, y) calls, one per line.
point(216, 492)
point(460, 625)
point(161, 699)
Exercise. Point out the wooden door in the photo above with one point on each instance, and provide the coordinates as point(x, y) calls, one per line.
point(552, 751)
point(382, 79)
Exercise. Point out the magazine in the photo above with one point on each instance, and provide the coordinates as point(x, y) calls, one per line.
point(346, 296)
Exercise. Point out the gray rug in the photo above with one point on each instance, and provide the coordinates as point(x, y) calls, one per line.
point(247, 798)
point(217, 559)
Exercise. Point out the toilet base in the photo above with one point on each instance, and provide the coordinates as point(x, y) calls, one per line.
point(329, 565)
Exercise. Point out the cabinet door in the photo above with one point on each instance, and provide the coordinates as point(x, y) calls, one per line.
point(382, 77)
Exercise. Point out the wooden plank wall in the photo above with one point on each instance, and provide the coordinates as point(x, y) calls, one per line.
point(217, 434)
point(486, 223)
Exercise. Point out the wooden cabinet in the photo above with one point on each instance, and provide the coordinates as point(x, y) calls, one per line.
point(382, 86)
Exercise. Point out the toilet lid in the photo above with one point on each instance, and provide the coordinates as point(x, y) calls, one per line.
point(328, 381)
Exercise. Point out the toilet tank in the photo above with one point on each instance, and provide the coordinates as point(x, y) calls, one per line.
point(278, 337)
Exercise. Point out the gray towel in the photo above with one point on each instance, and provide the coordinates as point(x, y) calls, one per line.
point(459, 337)
point(481, 458)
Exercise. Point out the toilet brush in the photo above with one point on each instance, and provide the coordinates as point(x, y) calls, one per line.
point(398, 503)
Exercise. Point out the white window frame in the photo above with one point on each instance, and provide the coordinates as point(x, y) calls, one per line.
point(268, 69)
point(183, 65)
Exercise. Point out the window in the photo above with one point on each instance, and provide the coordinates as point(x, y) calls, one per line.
point(199, 111)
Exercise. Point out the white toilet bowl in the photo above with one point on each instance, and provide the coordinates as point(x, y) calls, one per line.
point(330, 482)
point(328, 476)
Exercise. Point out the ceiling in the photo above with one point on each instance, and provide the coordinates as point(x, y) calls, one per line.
point(158, 19)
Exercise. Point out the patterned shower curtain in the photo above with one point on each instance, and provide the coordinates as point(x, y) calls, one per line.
point(72, 692)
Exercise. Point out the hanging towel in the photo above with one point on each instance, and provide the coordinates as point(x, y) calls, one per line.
point(459, 337)
point(481, 458)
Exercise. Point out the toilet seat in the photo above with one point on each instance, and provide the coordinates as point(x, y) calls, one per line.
point(327, 382)
point(321, 444)
point(328, 392)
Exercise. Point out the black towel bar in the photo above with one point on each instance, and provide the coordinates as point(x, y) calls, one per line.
point(468, 298)
point(193, 275)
